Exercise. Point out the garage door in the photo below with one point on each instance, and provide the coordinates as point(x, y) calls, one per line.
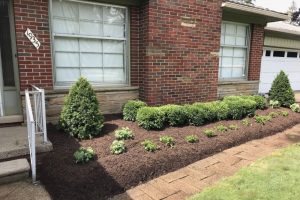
point(275, 60)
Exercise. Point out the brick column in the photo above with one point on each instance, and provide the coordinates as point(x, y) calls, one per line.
point(35, 66)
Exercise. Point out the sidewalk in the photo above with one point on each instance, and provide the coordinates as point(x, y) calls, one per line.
point(192, 179)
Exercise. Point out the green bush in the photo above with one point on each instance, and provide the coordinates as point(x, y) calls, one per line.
point(233, 127)
point(196, 114)
point(124, 134)
point(274, 104)
point(215, 111)
point(84, 155)
point(80, 116)
point(262, 119)
point(295, 107)
point(192, 138)
point(117, 147)
point(151, 118)
point(149, 145)
point(131, 108)
point(222, 128)
point(167, 140)
point(281, 90)
point(261, 102)
point(209, 133)
point(239, 107)
point(175, 115)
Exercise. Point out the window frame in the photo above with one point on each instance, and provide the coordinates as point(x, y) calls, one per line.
point(247, 54)
point(68, 84)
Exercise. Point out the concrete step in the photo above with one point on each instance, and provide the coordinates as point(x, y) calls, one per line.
point(14, 170)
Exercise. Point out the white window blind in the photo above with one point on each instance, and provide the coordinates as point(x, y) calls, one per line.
point(233, 52)
point(89, 40)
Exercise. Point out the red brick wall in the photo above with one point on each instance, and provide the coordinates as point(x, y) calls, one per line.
point(177, 64)
point(256, 50)
point(134, 45)
point(34, 65)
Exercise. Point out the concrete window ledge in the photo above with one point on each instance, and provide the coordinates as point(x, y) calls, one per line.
point(237, 82)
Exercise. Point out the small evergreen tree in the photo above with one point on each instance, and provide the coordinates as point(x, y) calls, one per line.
point(281, 90)
point(80, 116)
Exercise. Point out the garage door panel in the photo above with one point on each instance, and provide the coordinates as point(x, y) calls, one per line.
point(271, 66)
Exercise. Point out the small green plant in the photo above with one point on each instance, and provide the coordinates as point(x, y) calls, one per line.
point(222, 128)
point(209, 133)
point(274, 104)
point(149, 145)
point(167, 140)
point(117, 147)
point(84, 155)
point(131, 108)
point(124, 134)
point(233, 127)
point(295, 107)
point(192, 138)
point(284, 113)
point(261, 119)
point(281, 90)
point(246, 122)
point(273, 114)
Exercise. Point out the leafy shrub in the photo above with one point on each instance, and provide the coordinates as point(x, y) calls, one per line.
point(167, 140)
point(150, 118)
point(124, 134)
point(281, 90)
point(80, 116)
point(261, 102)
point(84, 155)
point(239, 107)
point(233, 127)
point(118, 147)
point(216, 110)
point(192, 138)
point(273, 114)
point(284, 113)
point(209, 133)
point(196, 114)
point(131, 108)
point(274, 104)
point(262, 119)
point(149, 145)
point(175, 115)
point(246, 122)
point(295, 107)
point(222, 128)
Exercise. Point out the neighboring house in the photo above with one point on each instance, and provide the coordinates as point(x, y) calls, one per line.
point(161, 51)
point(281, 52)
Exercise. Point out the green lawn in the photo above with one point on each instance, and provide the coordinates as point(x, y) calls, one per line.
point(276, 177)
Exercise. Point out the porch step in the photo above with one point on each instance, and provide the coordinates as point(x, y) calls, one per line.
point(14, 170)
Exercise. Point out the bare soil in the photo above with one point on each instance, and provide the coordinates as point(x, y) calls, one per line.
point(109, 174)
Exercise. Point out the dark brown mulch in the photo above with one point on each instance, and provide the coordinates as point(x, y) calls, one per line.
point(112, 174)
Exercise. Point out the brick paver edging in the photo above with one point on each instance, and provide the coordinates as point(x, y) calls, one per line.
point(192, 179)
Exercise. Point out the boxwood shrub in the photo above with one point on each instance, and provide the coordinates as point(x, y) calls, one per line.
point(240, 107)
point(130, 109)
point(196, 114)
point(216, 110)
point(175, 115)
point(151, 118)
point(261, 102)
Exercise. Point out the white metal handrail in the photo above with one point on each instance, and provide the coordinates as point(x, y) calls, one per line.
point(36, 122)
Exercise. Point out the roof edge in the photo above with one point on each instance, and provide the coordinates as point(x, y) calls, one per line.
point(255, 10)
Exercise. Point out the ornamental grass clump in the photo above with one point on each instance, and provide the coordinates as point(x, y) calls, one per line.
point(131, 108)
point(80, 116)
point(281, 90)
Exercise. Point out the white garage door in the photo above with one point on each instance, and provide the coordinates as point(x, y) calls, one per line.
point(275, 60)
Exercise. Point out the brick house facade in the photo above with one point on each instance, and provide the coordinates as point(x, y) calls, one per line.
point(170, 53)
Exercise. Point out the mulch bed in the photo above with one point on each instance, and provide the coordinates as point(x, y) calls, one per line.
point(111, 174)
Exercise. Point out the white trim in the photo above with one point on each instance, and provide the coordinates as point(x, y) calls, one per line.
point(1, 89)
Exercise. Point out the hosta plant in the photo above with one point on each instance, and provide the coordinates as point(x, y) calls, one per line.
point(222, 128)
point(124, 134)
point(284, 113)
point(262, 119)
point(295, 107)
point(274, 104)
point(192, 138)
point(209, 133)
point(149, 145)
point(233, 127)
point(84, 155)
point(117, 147)
point(167, 140)
point(246, 122)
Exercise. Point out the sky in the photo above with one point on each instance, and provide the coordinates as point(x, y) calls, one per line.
point(277, 5)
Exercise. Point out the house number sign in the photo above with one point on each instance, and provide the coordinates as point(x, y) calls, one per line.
point(36, 43)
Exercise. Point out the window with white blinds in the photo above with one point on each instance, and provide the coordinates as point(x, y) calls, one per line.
point(234, 50)
point(90, 40)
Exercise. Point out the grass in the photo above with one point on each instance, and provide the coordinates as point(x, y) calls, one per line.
point(276, 177)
